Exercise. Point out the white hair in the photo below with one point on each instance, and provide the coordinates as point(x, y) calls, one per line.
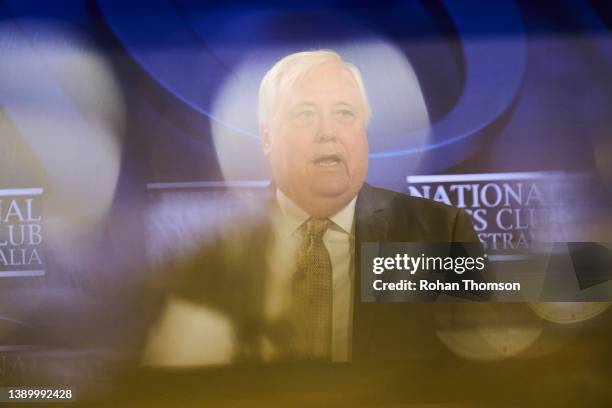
point(289, 69)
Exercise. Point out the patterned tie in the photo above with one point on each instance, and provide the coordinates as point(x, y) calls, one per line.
point(311, 307)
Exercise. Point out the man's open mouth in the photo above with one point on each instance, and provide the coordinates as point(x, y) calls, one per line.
point(329, 160)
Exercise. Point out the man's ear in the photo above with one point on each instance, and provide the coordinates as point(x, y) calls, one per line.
point(266, 141)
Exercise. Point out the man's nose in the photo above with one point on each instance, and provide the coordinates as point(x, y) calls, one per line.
point(326, 131)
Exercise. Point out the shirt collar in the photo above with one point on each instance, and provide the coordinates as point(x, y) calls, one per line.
point(294, 216)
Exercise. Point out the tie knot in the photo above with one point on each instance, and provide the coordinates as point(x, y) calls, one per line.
point(315, 228)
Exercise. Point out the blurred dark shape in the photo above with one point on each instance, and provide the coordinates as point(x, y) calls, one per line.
point(592, 263)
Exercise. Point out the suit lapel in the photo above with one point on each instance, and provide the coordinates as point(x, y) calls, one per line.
point(371, 225)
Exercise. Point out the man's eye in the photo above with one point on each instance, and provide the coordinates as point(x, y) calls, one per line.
point(304, 117)
point(345, 115)
point(305, 114)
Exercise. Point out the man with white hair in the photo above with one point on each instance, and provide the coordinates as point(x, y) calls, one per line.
point(289, 284)
point(313, 112)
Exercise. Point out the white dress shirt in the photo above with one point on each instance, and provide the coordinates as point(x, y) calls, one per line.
point(282, 258)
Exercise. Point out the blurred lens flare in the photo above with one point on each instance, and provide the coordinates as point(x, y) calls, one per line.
point(66, 116)
point(568, 312)
point(487, 331)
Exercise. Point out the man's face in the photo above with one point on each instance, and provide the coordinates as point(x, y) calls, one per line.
point(316, 140)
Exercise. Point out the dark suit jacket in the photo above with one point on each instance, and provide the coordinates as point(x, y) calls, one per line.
point(229, 275)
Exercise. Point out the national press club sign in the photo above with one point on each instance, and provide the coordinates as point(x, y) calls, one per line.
point(21, 235)
point(508, 210)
